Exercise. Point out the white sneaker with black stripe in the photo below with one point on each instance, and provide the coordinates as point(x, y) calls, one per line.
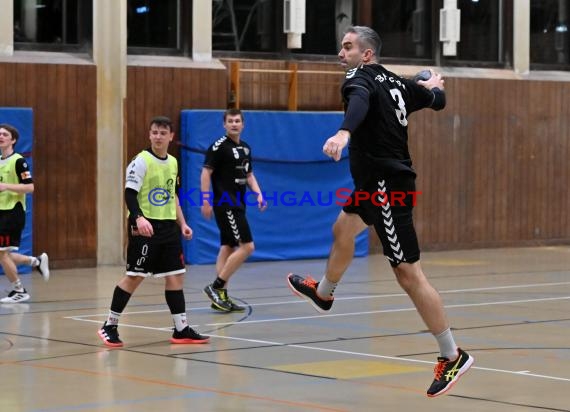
point(43, 267)
point(16, 297)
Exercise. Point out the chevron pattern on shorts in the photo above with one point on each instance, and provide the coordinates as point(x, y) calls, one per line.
point(233, 225)
point(388, 220)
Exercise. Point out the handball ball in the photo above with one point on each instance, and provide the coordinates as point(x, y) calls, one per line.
point(422, 75)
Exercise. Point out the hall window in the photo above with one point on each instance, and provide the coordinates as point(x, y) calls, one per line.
point(154, 25)
point(483, 34)
point(53, 24)
point(247, 25)
point(549, 38)
point(405, 27)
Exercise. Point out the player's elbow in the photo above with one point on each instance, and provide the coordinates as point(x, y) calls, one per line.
point(438, 99)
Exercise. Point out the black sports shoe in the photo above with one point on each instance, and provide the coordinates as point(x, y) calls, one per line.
point(235, 306)
point(188, 335)
point(307, 289)
point(448, 372)
point(218, 298)
point(110, 336)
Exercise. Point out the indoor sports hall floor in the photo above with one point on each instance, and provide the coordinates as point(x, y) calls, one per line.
point(510, 308)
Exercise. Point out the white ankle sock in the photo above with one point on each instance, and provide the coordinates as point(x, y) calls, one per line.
point(113, 318)
point(180, 321)
point(326, 288)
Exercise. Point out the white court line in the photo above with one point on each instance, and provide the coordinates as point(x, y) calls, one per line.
point(338, 315)
point(351, 353)
point(391, 295)
point(395, 358)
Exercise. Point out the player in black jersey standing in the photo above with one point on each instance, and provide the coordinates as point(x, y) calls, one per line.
point(229, 169)
point(377, 105)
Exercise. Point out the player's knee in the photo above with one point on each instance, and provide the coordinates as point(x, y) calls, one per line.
point(248, 247)
point(409, 276)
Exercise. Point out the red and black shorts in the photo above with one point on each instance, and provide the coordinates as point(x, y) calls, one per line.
point(12, 224)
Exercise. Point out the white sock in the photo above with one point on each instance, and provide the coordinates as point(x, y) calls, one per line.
point(447, 346)
point(113, 318)
point(326, 288)
point(180, 321)
point(17, 285)
point(34, 261)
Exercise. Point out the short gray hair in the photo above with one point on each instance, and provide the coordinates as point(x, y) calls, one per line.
point(368, 38)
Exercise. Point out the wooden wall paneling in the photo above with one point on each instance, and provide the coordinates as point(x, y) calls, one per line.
point(478, 185)
point(130, 110)
point(58, 125)
point(3, 90)
point(564, 180)
point(515, 187)
point(426, 168)
point(82, 90)
point(502, 160)
point(557, 158)
point(160, 86)
point(546, 139)
point(12, 92)
point(47, 113)
point(176, 96)
point(70, 123)
point(526, 149)
point(508, 124)
point(487, 152)
point(553, 220)
point(462, 146)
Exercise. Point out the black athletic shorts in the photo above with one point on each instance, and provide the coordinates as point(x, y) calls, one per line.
point(233, 225)
point(387, 203)
point(12, 224)
point(159, 255)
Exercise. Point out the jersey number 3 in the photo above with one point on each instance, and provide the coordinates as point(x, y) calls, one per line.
point(401, 110)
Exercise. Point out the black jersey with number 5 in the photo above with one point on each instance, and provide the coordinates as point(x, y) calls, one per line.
point(381, 140)
point(231, 163)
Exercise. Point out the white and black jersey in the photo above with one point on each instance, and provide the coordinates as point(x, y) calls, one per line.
point(231, 164)
point(381, 139)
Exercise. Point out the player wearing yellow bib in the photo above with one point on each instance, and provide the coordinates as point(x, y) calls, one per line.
point(154, 247)
point(15, 182)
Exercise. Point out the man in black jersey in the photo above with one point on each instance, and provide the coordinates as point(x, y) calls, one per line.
point(228, 167)
point(377, 105)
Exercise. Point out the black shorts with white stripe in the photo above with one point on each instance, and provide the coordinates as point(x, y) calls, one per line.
point(389, 208)
point(233, 225)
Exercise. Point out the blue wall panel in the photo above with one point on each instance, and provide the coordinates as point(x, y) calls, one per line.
point(299, 180)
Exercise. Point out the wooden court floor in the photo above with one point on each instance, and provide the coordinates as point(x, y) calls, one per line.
point(510, 308)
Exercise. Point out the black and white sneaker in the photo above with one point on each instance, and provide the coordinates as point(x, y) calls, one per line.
point(306, 288)
point(16, 297)
point(218, 298)
point(188, 336)
point(448, 372)
point(109, 334)
point(43, 267)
